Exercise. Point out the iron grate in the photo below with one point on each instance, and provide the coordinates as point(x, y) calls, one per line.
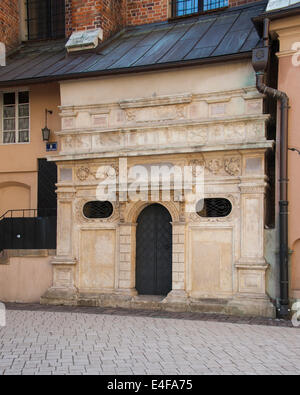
point(97, 209)
point(214, 208)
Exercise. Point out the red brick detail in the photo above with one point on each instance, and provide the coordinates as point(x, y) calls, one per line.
point(113, 15)
point(235, 3)
point(9, 23)
point(110, 15)
point(140, 12)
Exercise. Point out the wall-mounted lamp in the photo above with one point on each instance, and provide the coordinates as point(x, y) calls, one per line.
point(295, 150)
point(46, 131)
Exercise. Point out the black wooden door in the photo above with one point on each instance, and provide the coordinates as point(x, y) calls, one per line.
point(47, 178)
point(154, 251)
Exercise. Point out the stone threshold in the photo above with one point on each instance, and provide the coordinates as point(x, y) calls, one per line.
point(189, 316)
point(236, 307)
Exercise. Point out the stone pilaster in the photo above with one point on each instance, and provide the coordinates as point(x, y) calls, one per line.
point(178, 292)
point(63, 288)
point(251, 268)
point(126, 274)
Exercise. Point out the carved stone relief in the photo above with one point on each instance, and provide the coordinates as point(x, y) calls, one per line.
point(215, 166)
point(233, 166)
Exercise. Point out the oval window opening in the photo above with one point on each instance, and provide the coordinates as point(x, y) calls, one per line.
point(214, 208)
point(98, 209)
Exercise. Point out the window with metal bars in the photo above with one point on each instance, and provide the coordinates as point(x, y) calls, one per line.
point(214, 208)
point(98, 209)
point(45, 19)
point(190, 7)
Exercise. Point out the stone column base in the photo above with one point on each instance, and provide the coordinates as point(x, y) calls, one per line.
point(60, 296)
point(126, 292)
point(176, 300)
point(260, 306)
point(176, 296)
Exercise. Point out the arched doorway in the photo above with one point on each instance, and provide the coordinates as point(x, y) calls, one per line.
point(154, 251)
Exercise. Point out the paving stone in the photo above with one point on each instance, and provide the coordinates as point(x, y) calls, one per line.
point(92, 342)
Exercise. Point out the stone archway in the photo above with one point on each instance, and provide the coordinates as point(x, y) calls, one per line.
point(134, 209)
point(127, 267)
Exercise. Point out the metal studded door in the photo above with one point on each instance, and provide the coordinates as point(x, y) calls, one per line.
point(154, 251)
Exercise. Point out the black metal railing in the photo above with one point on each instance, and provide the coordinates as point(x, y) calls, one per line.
point(28, 229)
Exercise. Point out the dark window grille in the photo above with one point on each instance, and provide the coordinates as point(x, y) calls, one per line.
point(98, 209)
point(190, 7)
point(214, 208)
point(45, 19)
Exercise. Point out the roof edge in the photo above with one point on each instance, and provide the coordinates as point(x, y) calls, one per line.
point(273, 15)
point(131, 70)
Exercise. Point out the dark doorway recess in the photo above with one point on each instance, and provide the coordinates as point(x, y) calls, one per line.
point(154, 251)
point(47, 178)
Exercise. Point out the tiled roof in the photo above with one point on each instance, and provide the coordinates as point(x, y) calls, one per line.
point(178, 42)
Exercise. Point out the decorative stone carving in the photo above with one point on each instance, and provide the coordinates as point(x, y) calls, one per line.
point(133, 209)
point(181, 114)
point(83, 173)
point(233, 166)
point(216, 132)
point(235, 131)
point(106, 172)
point(197, 163)
point(215, 166)
point(130, 115)
point(198, 135)
point(67, 143)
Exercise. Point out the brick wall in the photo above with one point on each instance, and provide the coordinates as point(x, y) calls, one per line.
point(235, 3)
point(110, 15)
point(144, 11)
point(9, 23)
point(113, 15)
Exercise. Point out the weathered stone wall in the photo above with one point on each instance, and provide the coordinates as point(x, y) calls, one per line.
point(187, 117)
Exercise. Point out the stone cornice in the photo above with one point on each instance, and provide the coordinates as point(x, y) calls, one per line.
point(164, 151)
point(167, 124)
point(157, 101)
point(248, 92)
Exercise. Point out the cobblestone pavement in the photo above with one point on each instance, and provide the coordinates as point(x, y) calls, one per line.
point(63, 342)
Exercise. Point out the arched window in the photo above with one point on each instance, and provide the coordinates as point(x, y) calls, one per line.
point(214, 208)
point(97, 209)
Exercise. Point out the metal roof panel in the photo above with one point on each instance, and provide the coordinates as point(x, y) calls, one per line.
point(219, 33)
